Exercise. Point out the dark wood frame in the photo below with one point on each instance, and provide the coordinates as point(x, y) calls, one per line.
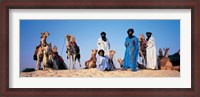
point(99, 4)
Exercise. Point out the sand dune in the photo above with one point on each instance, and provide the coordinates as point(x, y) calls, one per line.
point(96, 73)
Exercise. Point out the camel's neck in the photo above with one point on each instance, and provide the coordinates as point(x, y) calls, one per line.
point(68, 43)
point(45, 55)
point(44, 36)
point(143, 41)
point(111, 56)
point(73, 43)
point(120, 62)
point(39, 51)
point(44, 39)
point(93, 55)
point(45, 58)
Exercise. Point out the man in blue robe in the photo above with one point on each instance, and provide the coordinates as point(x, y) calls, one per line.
point(103, 62)
point(131, 52)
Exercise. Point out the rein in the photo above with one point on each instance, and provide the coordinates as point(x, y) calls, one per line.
point(63, 46)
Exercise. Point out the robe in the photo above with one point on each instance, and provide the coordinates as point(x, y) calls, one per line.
point(104, 46)
point(103, 63)
point(151, 54)
point(131, 53)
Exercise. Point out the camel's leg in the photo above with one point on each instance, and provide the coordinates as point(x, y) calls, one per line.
point(37, 65)
point(74, 61)
point(42, 42)
point(93, 65)
point(143, 59)
point(79, 61)
point(69, 57)
point(44, 61)
point(111, 61)
point(166, 51)
point(86, 65)
point(43, 66)
point(38, 62)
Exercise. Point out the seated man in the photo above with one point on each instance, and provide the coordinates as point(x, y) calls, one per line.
point(59, 60)
point(103, 62)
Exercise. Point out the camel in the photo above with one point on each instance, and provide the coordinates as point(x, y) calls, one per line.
point(43, 38)
point(164, 62)
point(39, 56)
point(42, 55)
point(45, 57)
point(92, 62)
point(121, 62)
point(72, 50)
point(175, 58)
point(142, 51)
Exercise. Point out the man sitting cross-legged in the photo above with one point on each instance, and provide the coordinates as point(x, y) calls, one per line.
point(59, 60)
point(103, 62)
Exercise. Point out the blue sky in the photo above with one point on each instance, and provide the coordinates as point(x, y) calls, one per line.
point(86, 32)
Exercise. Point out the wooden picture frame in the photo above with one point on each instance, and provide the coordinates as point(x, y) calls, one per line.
point(100, 4)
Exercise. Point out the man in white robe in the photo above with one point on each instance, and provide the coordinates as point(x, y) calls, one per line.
point(104, 44)
point(151, 52)
point(103, 62)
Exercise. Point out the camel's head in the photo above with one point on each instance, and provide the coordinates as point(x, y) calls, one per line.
point(44, 34)
point(68, 37)
point(142, 37)
point(94, 51)
point(72, 39)
point(120, 61)
point(112, 52)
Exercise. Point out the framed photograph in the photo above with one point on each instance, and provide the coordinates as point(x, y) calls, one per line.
point(109, 48)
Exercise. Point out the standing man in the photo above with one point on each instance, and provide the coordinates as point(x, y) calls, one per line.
point(151, 52)
point(104, 44)
point(131, 52)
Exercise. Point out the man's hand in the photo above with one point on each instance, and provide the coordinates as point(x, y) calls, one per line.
point(127, 44)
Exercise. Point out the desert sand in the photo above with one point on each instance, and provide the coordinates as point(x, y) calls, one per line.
point(96, 73)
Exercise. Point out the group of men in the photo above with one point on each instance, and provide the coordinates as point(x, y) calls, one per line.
point(131, 52)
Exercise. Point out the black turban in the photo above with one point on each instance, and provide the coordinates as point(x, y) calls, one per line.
point(103, 33)
point(130, 30)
